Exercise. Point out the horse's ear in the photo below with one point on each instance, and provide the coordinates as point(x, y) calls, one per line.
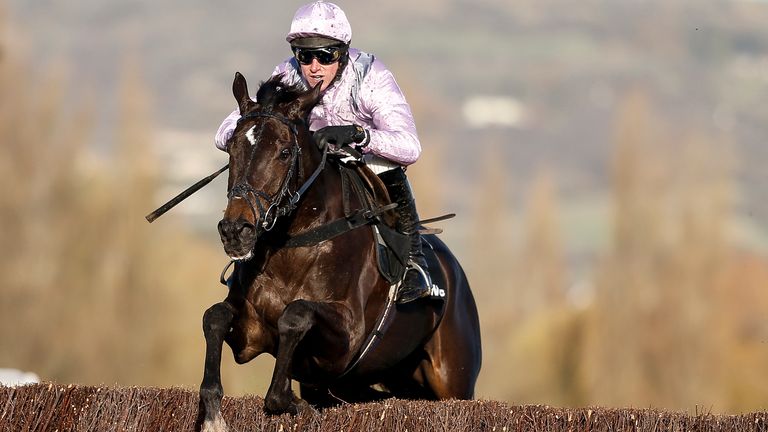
point(307, 100)
point(240, 91)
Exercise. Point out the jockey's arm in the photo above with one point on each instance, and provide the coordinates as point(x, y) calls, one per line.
point(393, 135)
point(226, 130)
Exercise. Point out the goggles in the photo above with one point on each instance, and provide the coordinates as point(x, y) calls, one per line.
point(324, 56)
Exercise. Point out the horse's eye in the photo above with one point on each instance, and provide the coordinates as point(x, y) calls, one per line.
point(285, 154)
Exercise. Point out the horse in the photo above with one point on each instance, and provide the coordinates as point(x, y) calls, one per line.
point(315, 306)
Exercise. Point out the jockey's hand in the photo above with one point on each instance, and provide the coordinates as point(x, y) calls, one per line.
point(339, 136)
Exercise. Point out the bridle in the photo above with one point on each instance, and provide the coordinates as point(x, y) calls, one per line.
point(265, 216)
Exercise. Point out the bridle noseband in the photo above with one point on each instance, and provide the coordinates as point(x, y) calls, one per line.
point(266, 218)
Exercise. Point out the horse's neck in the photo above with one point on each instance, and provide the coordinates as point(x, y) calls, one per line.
point(322, 201)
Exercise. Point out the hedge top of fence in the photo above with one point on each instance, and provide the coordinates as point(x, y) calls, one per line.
point(51, 407)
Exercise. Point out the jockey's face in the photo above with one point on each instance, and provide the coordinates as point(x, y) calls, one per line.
point(316, 72)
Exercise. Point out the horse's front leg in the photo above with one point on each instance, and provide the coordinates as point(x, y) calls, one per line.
point(297, 319)
point(217, 321)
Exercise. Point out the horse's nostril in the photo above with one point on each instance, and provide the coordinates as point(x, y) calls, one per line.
point(229, 229)
point(247, 230)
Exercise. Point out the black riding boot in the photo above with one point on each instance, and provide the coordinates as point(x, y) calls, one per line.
point(415, 284)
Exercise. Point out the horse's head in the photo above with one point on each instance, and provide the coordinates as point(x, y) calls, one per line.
point(264, 160)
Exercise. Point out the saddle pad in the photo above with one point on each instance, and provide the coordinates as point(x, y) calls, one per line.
point(392, 257)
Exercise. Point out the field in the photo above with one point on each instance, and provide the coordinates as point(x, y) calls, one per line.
point(52, 407)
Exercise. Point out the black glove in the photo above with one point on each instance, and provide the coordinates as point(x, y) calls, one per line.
point(339, 136)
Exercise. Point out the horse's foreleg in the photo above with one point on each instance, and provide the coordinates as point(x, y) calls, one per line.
point(297, 319)
point(217, 321)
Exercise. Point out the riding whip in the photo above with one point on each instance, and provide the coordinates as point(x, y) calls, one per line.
point(182, 196)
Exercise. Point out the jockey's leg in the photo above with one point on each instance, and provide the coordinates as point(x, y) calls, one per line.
point(415, 284)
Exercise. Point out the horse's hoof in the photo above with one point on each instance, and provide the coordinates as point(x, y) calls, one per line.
point(295, 407)
point(277, 406)
point(304, 408)
point(216, 425)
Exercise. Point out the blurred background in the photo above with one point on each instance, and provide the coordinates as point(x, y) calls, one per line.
point(605, 158)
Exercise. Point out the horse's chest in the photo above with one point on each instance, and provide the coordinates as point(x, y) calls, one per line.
point(270, 297)
point(268, 302)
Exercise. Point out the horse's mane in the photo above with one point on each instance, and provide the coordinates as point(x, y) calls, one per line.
point(274, 91)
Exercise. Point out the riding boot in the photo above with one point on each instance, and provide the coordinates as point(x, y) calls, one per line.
point(416, 283)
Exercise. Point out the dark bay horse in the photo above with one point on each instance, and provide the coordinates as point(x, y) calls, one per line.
point(314, 306)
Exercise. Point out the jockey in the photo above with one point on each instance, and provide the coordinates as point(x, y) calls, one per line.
point(361, 106)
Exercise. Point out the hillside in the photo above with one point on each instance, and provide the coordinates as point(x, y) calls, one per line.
point(702, 62)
